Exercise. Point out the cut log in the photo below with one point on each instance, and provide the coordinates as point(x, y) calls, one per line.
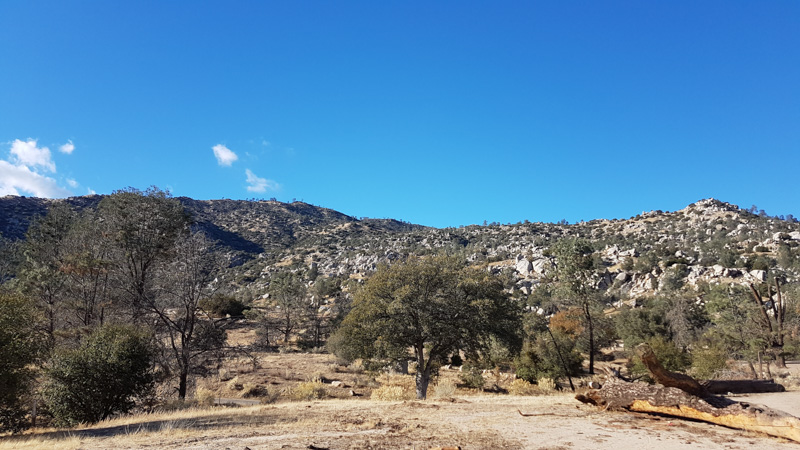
point(722, 387)
point(670, 401)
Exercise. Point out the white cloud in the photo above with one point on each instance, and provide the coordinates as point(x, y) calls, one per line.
point(28, 154)
point(15, 179)
point(90, 191)
point(224, 155)
point(258, 184)
point(67, 148)
point(72, 183)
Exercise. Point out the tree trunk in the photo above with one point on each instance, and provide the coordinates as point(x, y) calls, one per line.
point(639, 397)
point(182, 384)
point(682, 396)
point(588, 315)
point(423, 376)
point(722, 387)
point(665, 377)
point(752, 369)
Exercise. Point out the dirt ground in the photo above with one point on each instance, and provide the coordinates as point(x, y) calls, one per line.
point(465, 418)
point(476, 422)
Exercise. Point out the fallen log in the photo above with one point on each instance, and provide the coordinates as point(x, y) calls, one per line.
point(682, 396)
point(722, 387)
point(692, 386)
point(640, 397)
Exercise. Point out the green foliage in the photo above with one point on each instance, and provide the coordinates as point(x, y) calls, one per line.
point(101, 377)
point(708, 360)
point(540, 357)
point(472, 377)
point(576, 287)
point(636, 325)
point(220, 305)
point(19, 347)
point(432, 305)
point(668, 354)
point(674, 277)
point(737, 321)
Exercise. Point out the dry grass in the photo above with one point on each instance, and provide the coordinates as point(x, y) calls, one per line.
point(522, 387)
point(310, 390)
point(483, 421)
point(444, 389)
point(473, 421)
point(391, 394)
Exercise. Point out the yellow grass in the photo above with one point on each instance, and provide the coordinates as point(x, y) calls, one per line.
point(479, 421)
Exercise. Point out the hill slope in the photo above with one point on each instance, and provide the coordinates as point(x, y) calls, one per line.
point(708, 241)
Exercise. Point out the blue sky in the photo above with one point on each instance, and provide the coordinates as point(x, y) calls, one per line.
point(443, 113)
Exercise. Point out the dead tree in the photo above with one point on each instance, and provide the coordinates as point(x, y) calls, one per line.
point(772, 323)
point(682, 396)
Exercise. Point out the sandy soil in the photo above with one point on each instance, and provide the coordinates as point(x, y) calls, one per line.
point(477, 422)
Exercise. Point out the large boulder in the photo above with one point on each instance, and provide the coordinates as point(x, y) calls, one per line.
point(542, 265)
point(523, 267)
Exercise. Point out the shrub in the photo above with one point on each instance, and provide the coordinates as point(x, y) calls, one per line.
point(390, 394)
point(522, 387)
point(250, 390)
point(670, 356)
point(235, 385)
point(472, 377)
point(546, 384)
point(19, 345)
point(101, 377)
point(204, 396)
point(444, 389)
point(706, 362)
point(540, 358)
point(224, 375)
point(309, 390)
point(223, 305)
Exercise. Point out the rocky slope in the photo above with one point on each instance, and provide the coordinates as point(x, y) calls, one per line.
point(707, 242)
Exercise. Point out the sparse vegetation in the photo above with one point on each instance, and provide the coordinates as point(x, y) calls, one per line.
point(678, 280)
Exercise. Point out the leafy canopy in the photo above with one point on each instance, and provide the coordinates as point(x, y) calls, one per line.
point(101, 377)
point(434, 306)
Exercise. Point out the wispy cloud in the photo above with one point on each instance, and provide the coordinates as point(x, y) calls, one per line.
point(258, 184)
point(27, 153)
point(225, 156)
point(67, 148)
point(72, 183)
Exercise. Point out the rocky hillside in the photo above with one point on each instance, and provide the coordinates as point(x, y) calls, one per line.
point(707, 242)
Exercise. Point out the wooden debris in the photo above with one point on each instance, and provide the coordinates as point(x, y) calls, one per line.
point(682, 396)
point(721, 387)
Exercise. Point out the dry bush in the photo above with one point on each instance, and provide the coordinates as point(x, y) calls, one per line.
point(522, 387)
point(234, 384)
point(250, 390)
point(356, 366)
point(205, 396)
point(310, 390)
point(316, 377)
point(444, 389)
point(546, 385)
point(391, 393)
point(224, 374)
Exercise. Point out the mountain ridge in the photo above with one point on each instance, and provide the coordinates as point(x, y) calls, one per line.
point(707, 240)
